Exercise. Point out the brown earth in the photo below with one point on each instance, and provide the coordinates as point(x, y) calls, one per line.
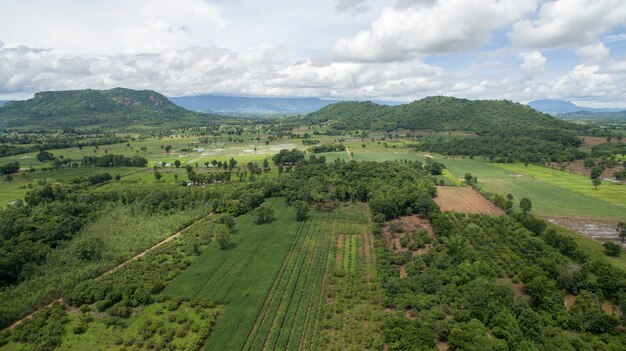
point(592, 141)
point(349, 153)
point(597, 229)
point(410, 224)
point(465, 200)
point(578, 168)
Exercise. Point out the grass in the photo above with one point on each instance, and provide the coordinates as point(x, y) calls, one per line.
point(241, 275)
point(274, 279)
point(123, 231)
point(593, 248)
point(608, 191)
point(100, 336)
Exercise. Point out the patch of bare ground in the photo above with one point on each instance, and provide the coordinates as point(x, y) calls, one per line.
point(578, 168)
point(408, 225)
point(596, 229)
point(403, 273)
point(442, 346)
point(465, 200)
point(592, 141)
point(607, 306)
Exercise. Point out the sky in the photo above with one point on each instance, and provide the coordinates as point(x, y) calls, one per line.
point(399, 50)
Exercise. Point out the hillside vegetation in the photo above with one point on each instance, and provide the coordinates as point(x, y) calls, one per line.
point(117, 107)
point(440, 114)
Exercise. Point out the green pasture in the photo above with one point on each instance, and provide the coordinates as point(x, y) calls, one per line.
point(241, 275)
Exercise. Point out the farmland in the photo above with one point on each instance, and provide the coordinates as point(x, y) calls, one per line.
point(277, 281)
point(464, 200)
point(307, 250)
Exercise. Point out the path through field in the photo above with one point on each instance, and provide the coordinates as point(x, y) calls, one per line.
point(116, 268)
point(349, 153)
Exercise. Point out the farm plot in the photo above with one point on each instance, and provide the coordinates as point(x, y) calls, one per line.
point(241, 275)
point(281, 286)
point(464, 199)
point(351, 310)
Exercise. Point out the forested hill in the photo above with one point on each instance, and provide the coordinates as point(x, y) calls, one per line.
point(117, 107)
point(484, 117)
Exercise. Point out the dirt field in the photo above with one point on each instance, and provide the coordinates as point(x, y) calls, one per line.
point(464, 199)
point(592, 141)
point(601, 230)
point(577, 167)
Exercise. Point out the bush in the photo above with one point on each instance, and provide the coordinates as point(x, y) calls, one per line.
point(611, 249)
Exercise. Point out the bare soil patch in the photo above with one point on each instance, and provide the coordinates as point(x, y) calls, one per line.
point(592, 141)
point(410, 224)
point(597, 229)
point(578, 168)
point(442, 346)
point(465, 200)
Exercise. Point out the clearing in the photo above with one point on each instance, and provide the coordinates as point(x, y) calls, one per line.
point(465, 200)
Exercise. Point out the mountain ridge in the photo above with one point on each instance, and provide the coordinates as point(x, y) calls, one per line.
point(438, 113)
point(117, 107)
point(555, 106)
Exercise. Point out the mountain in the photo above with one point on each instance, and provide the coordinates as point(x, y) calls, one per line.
point(562, 106)
point(440, 114)
point(616, 116)
point(117, 107)
point(250, 105)
point(240, 105)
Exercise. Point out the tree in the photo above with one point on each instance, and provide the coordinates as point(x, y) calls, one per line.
point(596, 171)
point(621, 230)
point(157, 175)
point(177, 163)
point(525, 205)
point(221, 235)
point(596, 183)
point(168, 148)
point(231, 163)
point(264, 214)
point(612, 249)
point(44, 156)
point(302, 210)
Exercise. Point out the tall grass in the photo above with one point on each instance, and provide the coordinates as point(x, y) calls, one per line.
point(122, 231)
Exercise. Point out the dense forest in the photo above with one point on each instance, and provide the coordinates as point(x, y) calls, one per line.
point(483, 117)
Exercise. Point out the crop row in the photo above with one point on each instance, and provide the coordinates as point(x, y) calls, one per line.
point(273, 326)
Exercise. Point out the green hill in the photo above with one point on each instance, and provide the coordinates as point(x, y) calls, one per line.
point(483, 117)
point(117, 107)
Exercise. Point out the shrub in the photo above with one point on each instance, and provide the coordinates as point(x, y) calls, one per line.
point(611, 249)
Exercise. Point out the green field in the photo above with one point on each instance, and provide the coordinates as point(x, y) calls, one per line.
point(553, 192)
point(272, 279)
point(241, 275)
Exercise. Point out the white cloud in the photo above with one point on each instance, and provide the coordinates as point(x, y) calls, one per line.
point(265, 70)
point(582, 82)
point(441, 27)
point(569, 23)
point(533, 62)
point(596, 53)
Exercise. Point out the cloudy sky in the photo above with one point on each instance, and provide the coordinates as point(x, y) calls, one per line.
point(349, 49)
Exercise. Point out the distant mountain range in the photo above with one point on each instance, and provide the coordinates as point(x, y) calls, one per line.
point(250, 105)
point(240, 105)
point(562, 106)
